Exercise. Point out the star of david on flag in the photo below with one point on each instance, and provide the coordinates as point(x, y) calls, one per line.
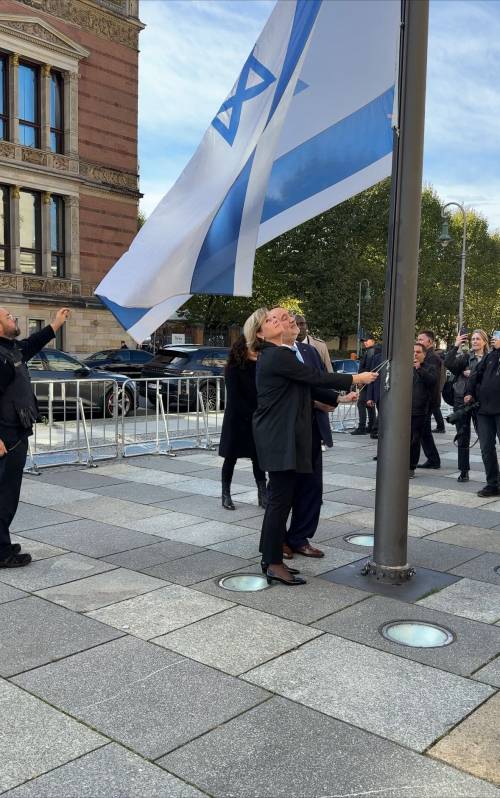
point(307, 124)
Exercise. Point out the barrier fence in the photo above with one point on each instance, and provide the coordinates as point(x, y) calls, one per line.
point(86, 420)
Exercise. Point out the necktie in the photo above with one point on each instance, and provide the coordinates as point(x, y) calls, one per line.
point(298, 354)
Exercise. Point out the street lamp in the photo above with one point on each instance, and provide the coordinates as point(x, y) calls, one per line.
point(366, 295)
point(445, 239)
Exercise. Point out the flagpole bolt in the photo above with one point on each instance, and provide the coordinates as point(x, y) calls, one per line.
point(392, 575)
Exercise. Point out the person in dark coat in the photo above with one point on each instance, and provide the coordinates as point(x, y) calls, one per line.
point(372, 354)
point(425, 377)
point(483, 386)
point(282, 427)
point(433, 460)
point(236, 438)
point(462, 365)
point(18, 413)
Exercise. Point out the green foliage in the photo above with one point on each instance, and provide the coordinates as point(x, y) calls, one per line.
point(315, 269)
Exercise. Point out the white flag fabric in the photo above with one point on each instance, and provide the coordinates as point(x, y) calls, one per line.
point(307, 124)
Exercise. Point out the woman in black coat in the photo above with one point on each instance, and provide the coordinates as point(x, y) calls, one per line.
point(236, 438)
point(282, 428)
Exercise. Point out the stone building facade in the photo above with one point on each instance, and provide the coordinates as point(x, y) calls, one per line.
point(68, 159)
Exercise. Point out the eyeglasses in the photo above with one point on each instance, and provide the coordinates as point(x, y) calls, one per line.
point(10, 316)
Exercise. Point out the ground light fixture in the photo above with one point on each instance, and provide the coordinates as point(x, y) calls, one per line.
point(360, 540)
point(497, 569)
point(243, 583)
point(417, 634)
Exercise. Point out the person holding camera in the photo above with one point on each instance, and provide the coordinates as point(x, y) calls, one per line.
point(462, 365)
point(18, 413)
point(483, 386)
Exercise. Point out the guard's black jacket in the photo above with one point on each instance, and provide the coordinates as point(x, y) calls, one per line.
point(282, 423)
point(484, 384)
point(16, 393)
point(424, 384)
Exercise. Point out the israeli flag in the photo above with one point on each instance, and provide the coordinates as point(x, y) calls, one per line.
point(307, 124)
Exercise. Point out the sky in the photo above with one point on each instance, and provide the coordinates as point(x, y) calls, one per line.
point(192, 51)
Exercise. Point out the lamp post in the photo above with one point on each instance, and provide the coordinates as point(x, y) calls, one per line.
point(366, 296)
point(445, 239)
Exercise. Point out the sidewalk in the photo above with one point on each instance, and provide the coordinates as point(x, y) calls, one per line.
point(127, 670)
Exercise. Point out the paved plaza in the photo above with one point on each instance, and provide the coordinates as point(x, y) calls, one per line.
point(127, 671)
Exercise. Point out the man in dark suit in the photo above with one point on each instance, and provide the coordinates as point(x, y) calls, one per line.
point(427, 338)
point(308, 497)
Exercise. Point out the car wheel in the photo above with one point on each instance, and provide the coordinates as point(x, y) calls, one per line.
point(127, 402)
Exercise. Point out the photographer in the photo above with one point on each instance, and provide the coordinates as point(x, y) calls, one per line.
point(462, 365)
point(18, 413)
point(483, 386)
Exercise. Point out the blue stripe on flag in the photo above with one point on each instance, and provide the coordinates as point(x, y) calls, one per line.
point(304, 18)
point(331, 156)
point(127, 317)
point(214, 270)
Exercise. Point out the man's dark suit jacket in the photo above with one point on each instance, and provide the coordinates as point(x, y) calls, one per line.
point(312, 358)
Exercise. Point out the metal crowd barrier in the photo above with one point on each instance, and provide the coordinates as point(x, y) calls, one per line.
point(82, 421)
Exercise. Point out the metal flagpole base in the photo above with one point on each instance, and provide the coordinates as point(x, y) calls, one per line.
point(394, 575)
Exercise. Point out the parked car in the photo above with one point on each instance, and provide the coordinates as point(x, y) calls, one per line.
point(346, 366)
point(119, 361)
point(98, 397)
point(187, 361)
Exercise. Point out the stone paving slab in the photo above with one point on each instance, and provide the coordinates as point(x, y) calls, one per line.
point(366, 498)
point(332, 509)
point(419, 527)
point(334, 558)
point(179, 464)
point(237, 640)
point(43, 738)
point(92, 538)
point(205, 487)
point(29, 516)
point(461, 535)
point(109, 771)
point(8, 593)
point(457, 515)
point(348, 481)
point(490, 674)
point(284, 750)
point(196, 567)
point(39, 632)
point(84, 595)
point(468, 598)
point(143, 494)
point(475, 643)
point(374, 695)
point(77, 478)
point(246, 546)
point(474, 745)
point(462, 499)
point(210, 507)
point(103, 508)
point(207, 532)
point(142, 695)
point(304, 605)
point(132, 473)
point(161, 611)
point(38, 551)
point(44, 494)
point(147, 556)
point(481, 568)
point(161, 525)
point(53, 571)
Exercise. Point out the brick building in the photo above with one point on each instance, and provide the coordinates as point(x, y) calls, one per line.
point(68, 159)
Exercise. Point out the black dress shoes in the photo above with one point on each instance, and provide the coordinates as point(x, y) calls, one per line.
point(292, 582)
point(488, 490)
point(429, 465)
point(16, 561)
point(464, 476)
point(359, 431)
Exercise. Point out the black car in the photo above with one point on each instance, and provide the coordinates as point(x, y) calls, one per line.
point(187, 362)
point(119, 361)
point(346, 366)
point(98, 398)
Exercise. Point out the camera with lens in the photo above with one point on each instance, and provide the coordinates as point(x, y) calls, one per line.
point(462, 412)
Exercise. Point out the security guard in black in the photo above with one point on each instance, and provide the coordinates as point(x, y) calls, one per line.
point(18, 413)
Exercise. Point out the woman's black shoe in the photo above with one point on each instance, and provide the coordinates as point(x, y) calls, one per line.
point(296, 580)
point(464, 476)
point(265, 566)
point(16, 561)
point(227, 501)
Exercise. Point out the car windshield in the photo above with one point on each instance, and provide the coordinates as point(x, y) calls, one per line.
point(169, 357)
point(60, 361)
point(99, 356)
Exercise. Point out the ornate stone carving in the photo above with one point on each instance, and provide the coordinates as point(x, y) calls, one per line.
point(46, 197)
point(108, 177)
point(34, 156)
point(92, 19)
point(14, 60)
point(16, 192)
point(60, 162)
point(46, 285)
point(7, 150)
point(36, 30)
point(8, 282)
point(46, 70)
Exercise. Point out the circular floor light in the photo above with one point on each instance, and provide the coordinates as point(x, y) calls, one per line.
point(243, 583)
point(360, 540)
point(497, 569)
point(417, 634)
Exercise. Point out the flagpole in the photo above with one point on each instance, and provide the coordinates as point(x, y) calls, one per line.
point(389, 561)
